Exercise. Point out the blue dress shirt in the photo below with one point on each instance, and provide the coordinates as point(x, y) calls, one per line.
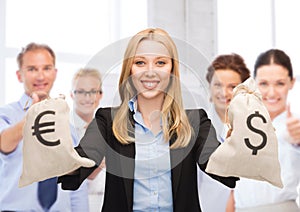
point(152, 177)
point(25, 199)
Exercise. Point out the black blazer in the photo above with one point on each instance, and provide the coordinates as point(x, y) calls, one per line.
point(99, 141)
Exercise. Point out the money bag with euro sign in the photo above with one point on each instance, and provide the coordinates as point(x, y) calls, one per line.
point(251, 147)
point(48, 149)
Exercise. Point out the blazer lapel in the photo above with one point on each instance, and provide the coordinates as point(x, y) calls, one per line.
point(127, 161)
point(176, 156)
point(127, 154)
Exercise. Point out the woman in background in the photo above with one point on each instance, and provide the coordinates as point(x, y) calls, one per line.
point(274, 76)
point(223, 75)
point(86, 95)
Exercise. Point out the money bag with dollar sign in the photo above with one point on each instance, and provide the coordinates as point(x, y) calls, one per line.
point(47, 143)
point(250, 149)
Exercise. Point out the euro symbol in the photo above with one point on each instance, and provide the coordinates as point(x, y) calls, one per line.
point(264, 137)
point(37, 131)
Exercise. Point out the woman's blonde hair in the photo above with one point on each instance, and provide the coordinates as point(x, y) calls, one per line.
point(174, 118)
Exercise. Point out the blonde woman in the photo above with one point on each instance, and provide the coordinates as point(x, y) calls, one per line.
point(150, 143)
point(86, 94)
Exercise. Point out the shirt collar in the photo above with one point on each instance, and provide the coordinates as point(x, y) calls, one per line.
point(25, 101)
point(220, 127)
point(280, 118)
point(132, 104)
point(77, 121)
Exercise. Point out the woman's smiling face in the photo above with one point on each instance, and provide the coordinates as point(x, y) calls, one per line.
point(151, 69)
point(274, 84)
point(221, 88)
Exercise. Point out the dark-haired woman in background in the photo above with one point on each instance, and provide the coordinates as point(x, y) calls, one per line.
point(274, 76)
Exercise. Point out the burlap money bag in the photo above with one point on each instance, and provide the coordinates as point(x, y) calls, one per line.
point(250, 149)
point(47, 143)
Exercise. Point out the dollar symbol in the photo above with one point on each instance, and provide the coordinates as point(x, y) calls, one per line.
point(264, 137)
point(37, 131)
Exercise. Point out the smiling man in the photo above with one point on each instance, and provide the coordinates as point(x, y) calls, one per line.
point(37, 72)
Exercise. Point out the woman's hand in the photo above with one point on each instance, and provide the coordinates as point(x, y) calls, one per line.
point(293, 127)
